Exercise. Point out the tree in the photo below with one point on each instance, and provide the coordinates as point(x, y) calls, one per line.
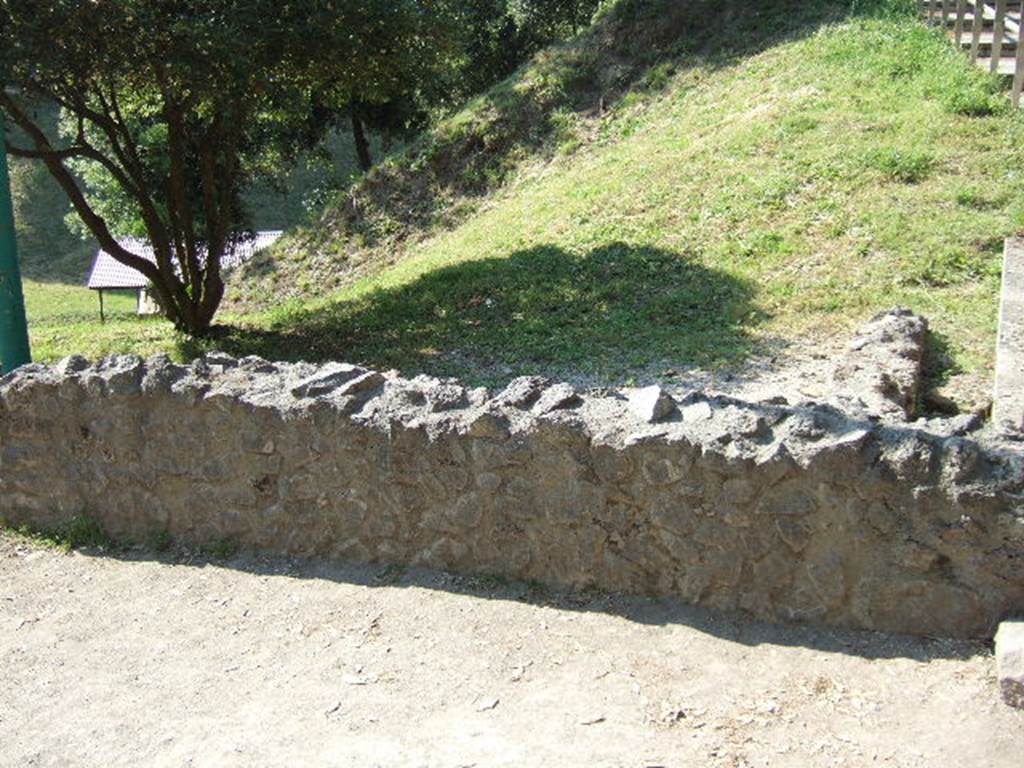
point(177, 106)
point(490, 39)
point(548, 20)
point(492, 42)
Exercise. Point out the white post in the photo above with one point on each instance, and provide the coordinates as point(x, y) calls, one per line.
point(1008, 402)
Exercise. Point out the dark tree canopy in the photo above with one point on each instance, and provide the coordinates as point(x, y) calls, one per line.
point(490, 39)
point(183, 103)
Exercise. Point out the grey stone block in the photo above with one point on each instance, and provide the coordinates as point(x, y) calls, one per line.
point(557, 398)
point(326, 380)
point(1010, 662)
point(1008, 402)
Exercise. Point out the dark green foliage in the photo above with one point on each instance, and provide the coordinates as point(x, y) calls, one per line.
point(493, 44)
point(172, 109)
point(81, 532)
point(497, 36)
point(222, 549)
point(491, 38)
point(974, 102)
point(160, 542)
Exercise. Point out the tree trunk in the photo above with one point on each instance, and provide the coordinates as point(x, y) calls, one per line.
point(186, 313)
point(362, 145)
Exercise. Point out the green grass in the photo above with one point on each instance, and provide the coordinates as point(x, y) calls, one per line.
point(65, 319)
point(80, 532)
point(781, 180)
point(788, 194)
point(536, 309)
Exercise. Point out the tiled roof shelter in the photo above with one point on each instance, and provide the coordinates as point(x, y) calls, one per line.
point(108, 274)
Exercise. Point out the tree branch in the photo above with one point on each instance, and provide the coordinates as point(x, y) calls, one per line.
point(96, 224)
point(131, 175)
point(34, 154)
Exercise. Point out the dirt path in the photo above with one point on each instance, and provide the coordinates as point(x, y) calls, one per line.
point(129, 660)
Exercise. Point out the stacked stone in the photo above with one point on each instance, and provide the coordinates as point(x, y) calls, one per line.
point(787, 513)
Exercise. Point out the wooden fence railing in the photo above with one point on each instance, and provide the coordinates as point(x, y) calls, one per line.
point(989, 32)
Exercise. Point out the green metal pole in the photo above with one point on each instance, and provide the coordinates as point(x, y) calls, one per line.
point(14, 349)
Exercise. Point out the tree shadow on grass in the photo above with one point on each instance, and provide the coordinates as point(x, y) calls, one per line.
point(939, 369)
point(613, 310)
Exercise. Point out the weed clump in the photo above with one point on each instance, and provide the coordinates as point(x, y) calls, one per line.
point(78, 532)
point(908, 166)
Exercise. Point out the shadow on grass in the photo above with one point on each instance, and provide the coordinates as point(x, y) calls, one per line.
point(613, 310)
point(938, 366)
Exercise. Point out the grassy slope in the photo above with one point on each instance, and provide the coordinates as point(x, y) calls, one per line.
point(790, 193)
point(64, 319)
point(833, 166)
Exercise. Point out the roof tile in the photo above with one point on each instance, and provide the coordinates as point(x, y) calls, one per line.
point(108, 273)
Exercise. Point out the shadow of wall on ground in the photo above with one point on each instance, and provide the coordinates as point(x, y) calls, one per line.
point(616, 308)
point(665, 612)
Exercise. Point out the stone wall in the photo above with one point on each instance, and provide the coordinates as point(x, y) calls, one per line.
point(788, 513)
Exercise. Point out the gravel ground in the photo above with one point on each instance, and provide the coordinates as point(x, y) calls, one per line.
point(169, 660)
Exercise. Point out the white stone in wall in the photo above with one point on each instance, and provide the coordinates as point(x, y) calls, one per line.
point(651, 403)
point(1010, 662)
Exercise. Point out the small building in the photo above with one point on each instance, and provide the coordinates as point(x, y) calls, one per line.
point(109, 274)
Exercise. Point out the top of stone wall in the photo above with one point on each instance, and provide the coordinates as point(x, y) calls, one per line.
point(735, 430)
point(875, 386)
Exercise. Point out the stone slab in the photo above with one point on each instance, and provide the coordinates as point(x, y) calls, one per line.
point(1010, 662)
point(651, 403)
point(881, 369)
point(1008, 402)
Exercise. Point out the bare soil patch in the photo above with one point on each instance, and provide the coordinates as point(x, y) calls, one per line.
point(140, 659)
